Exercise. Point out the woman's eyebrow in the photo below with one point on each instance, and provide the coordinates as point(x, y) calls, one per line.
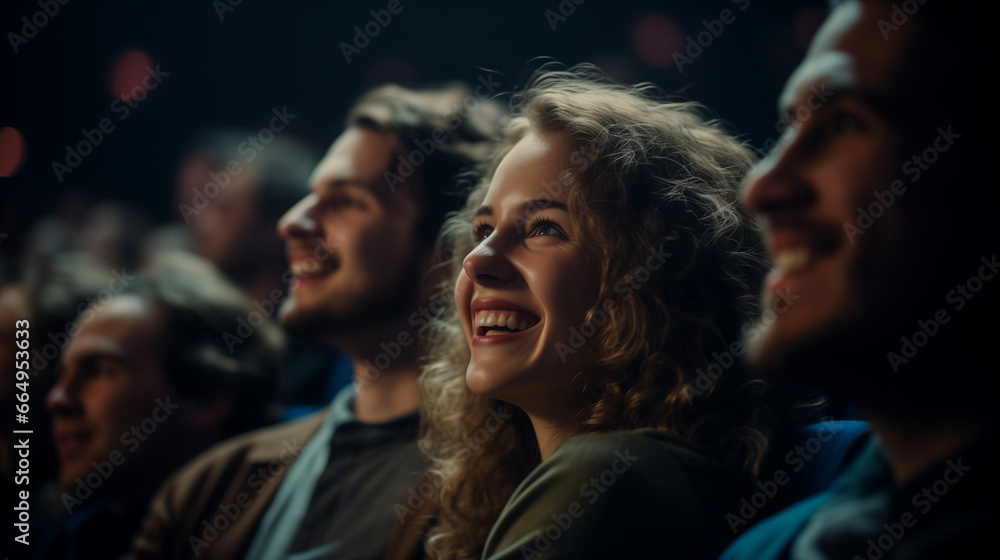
point(531, 206)
point(527, 207)
point(484, 210)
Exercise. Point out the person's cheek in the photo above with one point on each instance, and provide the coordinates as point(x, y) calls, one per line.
point(463, 297)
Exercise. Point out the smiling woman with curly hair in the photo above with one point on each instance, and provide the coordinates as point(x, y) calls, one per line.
point(580, 399)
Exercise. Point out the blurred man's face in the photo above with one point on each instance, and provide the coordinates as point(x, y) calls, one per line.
point(351, 243)
point(108, 388)
point(227, 231)
point(846, 274)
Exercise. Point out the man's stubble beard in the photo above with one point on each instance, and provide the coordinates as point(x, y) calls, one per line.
point(374, 307)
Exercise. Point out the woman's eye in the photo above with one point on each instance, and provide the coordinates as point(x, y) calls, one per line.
point(545, 228)
point(481, 232)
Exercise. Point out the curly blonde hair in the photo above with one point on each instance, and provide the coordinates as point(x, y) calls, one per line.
point(649, 174)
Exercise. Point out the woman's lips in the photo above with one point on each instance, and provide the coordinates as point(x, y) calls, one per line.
point(501, 338)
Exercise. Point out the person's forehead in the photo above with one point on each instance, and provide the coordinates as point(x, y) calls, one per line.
point(535, 160)
point(852, 52)
point(358, 153)
point(126, 325)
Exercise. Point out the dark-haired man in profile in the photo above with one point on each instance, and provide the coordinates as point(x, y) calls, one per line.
point(147, 383)
point(359, 246)
point(882, 216)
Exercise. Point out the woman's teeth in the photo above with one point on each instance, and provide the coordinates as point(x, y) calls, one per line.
point(508, 320)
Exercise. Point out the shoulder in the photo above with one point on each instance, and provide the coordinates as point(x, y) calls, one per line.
point(264, 444)
point(644, 486)
point(636, 461)
point(771, 537)
point(236, 471)
point(619, 467)
point(641, 450)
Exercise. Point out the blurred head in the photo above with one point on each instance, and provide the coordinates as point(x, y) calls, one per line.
point(359, 244)
point(158, 373)
point(232, 188)
point(113, 233)
point(610, 229)
point(876, 205)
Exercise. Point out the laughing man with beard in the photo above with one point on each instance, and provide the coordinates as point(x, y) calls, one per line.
point(360, 246)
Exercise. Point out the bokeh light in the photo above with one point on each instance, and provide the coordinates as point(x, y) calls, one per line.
point(127, 74)
point(656, 39)
point(13, 150)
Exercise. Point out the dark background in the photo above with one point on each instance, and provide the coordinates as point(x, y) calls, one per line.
point(264, 55)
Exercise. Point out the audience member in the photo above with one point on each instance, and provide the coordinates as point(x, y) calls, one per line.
point(881, 216)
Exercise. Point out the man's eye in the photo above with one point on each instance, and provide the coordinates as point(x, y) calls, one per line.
point(108, 368)
point(844, 122)
point(342, 202)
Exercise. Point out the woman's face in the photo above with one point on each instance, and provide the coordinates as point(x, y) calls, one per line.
point(528, 284)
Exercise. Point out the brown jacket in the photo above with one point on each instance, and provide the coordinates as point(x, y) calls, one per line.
point(211, 508)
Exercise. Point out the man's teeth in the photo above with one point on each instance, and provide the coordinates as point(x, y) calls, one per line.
point(792, 259)
point(512, 320)
point(305, 267)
